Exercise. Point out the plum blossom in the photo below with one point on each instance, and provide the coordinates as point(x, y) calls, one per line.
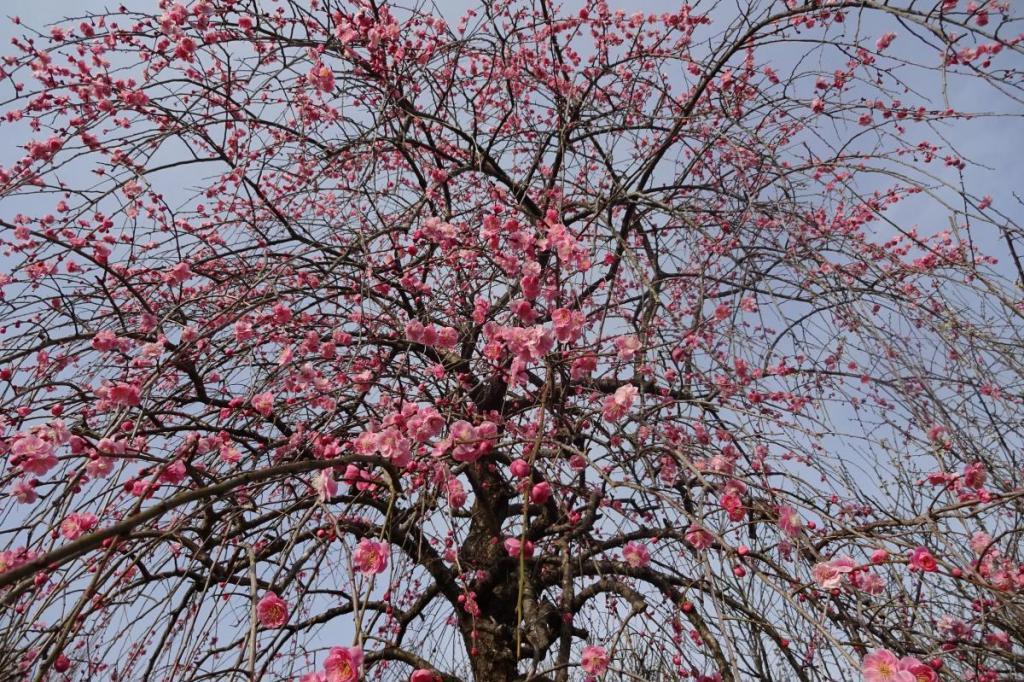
point(325, 485)
point(789, 521)
point(540, 493)
point(921, 672)
point(922, 560)
point(321, 77)
point(272, 611)
point(24, 492)
point(33, 454)
point(594, 660)
point(698, 537)
point(884, 41)
point(618, 404)
point(627, 346)
point(370, 557)
point(343, 664)
point(123, 394)
point(514, 547)
point(76, 525)
point(424, 675)
point(457, 496)
point(829, 574)
point(568, 324)
point(392, 445)
point(636, 554)
point(882, 665)
point(263, 403)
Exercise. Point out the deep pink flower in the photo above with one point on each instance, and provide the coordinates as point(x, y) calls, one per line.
point(370, 556)
point(272, 611)
point(594, 660)
point(124, 395)
point(322, 78)
point(424, 675)
point(514, 545)
point(457, 496)
point(636, 555)
point(921, 672)
point(540, 493)
point(922, 560)
point(343, 663)
point(520, 468)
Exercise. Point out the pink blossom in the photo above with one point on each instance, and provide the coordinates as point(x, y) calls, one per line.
point(24, 492)
point(424, 675)
point(540, 493)
point(618, 404)
point(636, 555)
point(105, 340)
point(272, 611)
point(179, 274)
point(921, 672)
point(698, 537)
point(370, 557)
point(980, 541)
point(568, 324)
point(594, 660)
point(520, 468)
point(829, 574)
point(392, 445)
point(627, 346)
point(975, 475)
point(33, 454)
point(922, 560)
point(457, 496)
point(77, 524)
point(882, 665)
point(263, 403)
point(322, 78)
point(789, 521)
point(582, 367)
point(868, 582)
point(885, 41)
point(123, 394)
point(514, 546)
point(343, 664)
point(325, 485)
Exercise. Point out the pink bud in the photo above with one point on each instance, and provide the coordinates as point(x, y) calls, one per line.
point(520, 468)
point(540, 493)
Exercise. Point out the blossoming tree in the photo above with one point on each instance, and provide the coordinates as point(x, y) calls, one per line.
point(360, 340)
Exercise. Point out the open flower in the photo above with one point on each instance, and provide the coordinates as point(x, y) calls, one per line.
point(829, 574)
point(370, 557)
point(594, 660)
point(636, 555)
point(272, 611)
point(882, 665)
point(343, 663)
point(922, 560)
